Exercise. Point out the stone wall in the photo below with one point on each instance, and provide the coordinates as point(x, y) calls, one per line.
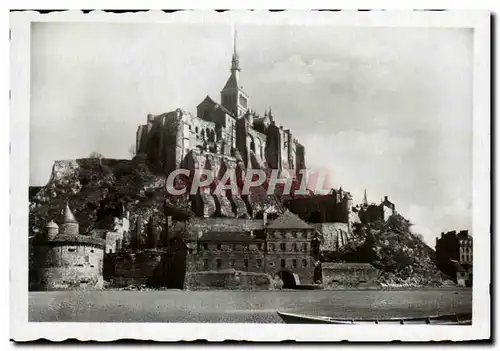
point(319, 208)
point(227, 279)
point(348, 274)
point(334, 235)
point(197, 226)
point(135, 268)
point(68, 267)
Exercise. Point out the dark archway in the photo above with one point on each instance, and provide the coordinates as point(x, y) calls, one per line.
point(288, 280)
point(318, 274)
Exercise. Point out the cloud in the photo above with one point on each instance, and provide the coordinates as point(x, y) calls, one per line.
point(297, 69)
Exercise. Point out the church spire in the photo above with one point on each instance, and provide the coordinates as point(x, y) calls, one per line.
point(235, 63)
point(365, 199)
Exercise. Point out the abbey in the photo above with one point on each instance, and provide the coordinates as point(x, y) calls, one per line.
point(229, 129)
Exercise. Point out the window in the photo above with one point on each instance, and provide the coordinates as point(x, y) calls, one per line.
point(205, 246)
point(232, 262)
point(294, 263)
point(71, 249)
point(304, 246)
point(205, 263)
point(298, 235)
point(219, 247)
point(294, 246)
point(283, 247)
point(246, 263)
point(109, 251)
point(304, 263)
point(247, 247)
point(259, 247)
point(294, 234)
point(283, 263)
point(271, 264)
point(272, 247)
point(234, 246)
point(219, 263)
point(259, 263)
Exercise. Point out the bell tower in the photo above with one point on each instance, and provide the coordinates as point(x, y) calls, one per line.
point(232, 95)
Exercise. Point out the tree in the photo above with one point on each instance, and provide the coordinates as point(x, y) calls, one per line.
point(95, 154)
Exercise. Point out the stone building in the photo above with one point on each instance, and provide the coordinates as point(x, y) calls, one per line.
point(66, 259)
point(281, 247)
point(331, 215)
point(454, 255)
point(376, 212)
point(289, 249)
point(222, 250)
point(229, 130)
point(465, 245)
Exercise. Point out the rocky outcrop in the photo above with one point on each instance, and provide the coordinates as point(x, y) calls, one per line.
point(401, 257)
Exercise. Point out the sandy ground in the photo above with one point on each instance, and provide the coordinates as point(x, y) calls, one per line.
point(240, 306)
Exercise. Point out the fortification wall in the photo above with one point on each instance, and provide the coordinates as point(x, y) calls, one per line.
point(229, 279)
point(348, 274)
point(69, 267)
point(135, 268)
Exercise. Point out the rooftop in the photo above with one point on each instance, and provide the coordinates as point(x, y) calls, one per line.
point(228, 237)
point(288, 220)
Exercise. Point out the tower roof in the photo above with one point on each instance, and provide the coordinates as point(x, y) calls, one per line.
point(52, 224)
point(235, 62)
point(232, 83)
point(365, 199)
point(68, 215)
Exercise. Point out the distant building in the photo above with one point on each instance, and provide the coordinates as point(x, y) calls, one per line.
point(376, 212)
point(465, 244)
point(66, 259)
point(454, 255)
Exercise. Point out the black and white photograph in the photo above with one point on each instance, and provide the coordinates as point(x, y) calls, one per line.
point(317, 176)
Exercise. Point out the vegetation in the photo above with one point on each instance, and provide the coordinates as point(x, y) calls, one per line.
point(401, 256)
point(98, 190)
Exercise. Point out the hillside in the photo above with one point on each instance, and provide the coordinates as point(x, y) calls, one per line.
point(98, 190)
point(401, 256)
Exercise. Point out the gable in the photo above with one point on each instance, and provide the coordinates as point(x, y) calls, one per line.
point(288, 220)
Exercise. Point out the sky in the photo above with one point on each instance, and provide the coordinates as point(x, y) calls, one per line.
point(388, 110)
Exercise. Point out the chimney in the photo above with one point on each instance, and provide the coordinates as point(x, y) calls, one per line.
point(265, 218)
point(442, 235)
point(150, 118)
point(386, 198)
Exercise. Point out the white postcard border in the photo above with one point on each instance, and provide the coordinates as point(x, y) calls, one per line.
point(22, 330)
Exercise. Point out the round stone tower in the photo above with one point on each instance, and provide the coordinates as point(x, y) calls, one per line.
point(67, 260)
point(52, 230)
